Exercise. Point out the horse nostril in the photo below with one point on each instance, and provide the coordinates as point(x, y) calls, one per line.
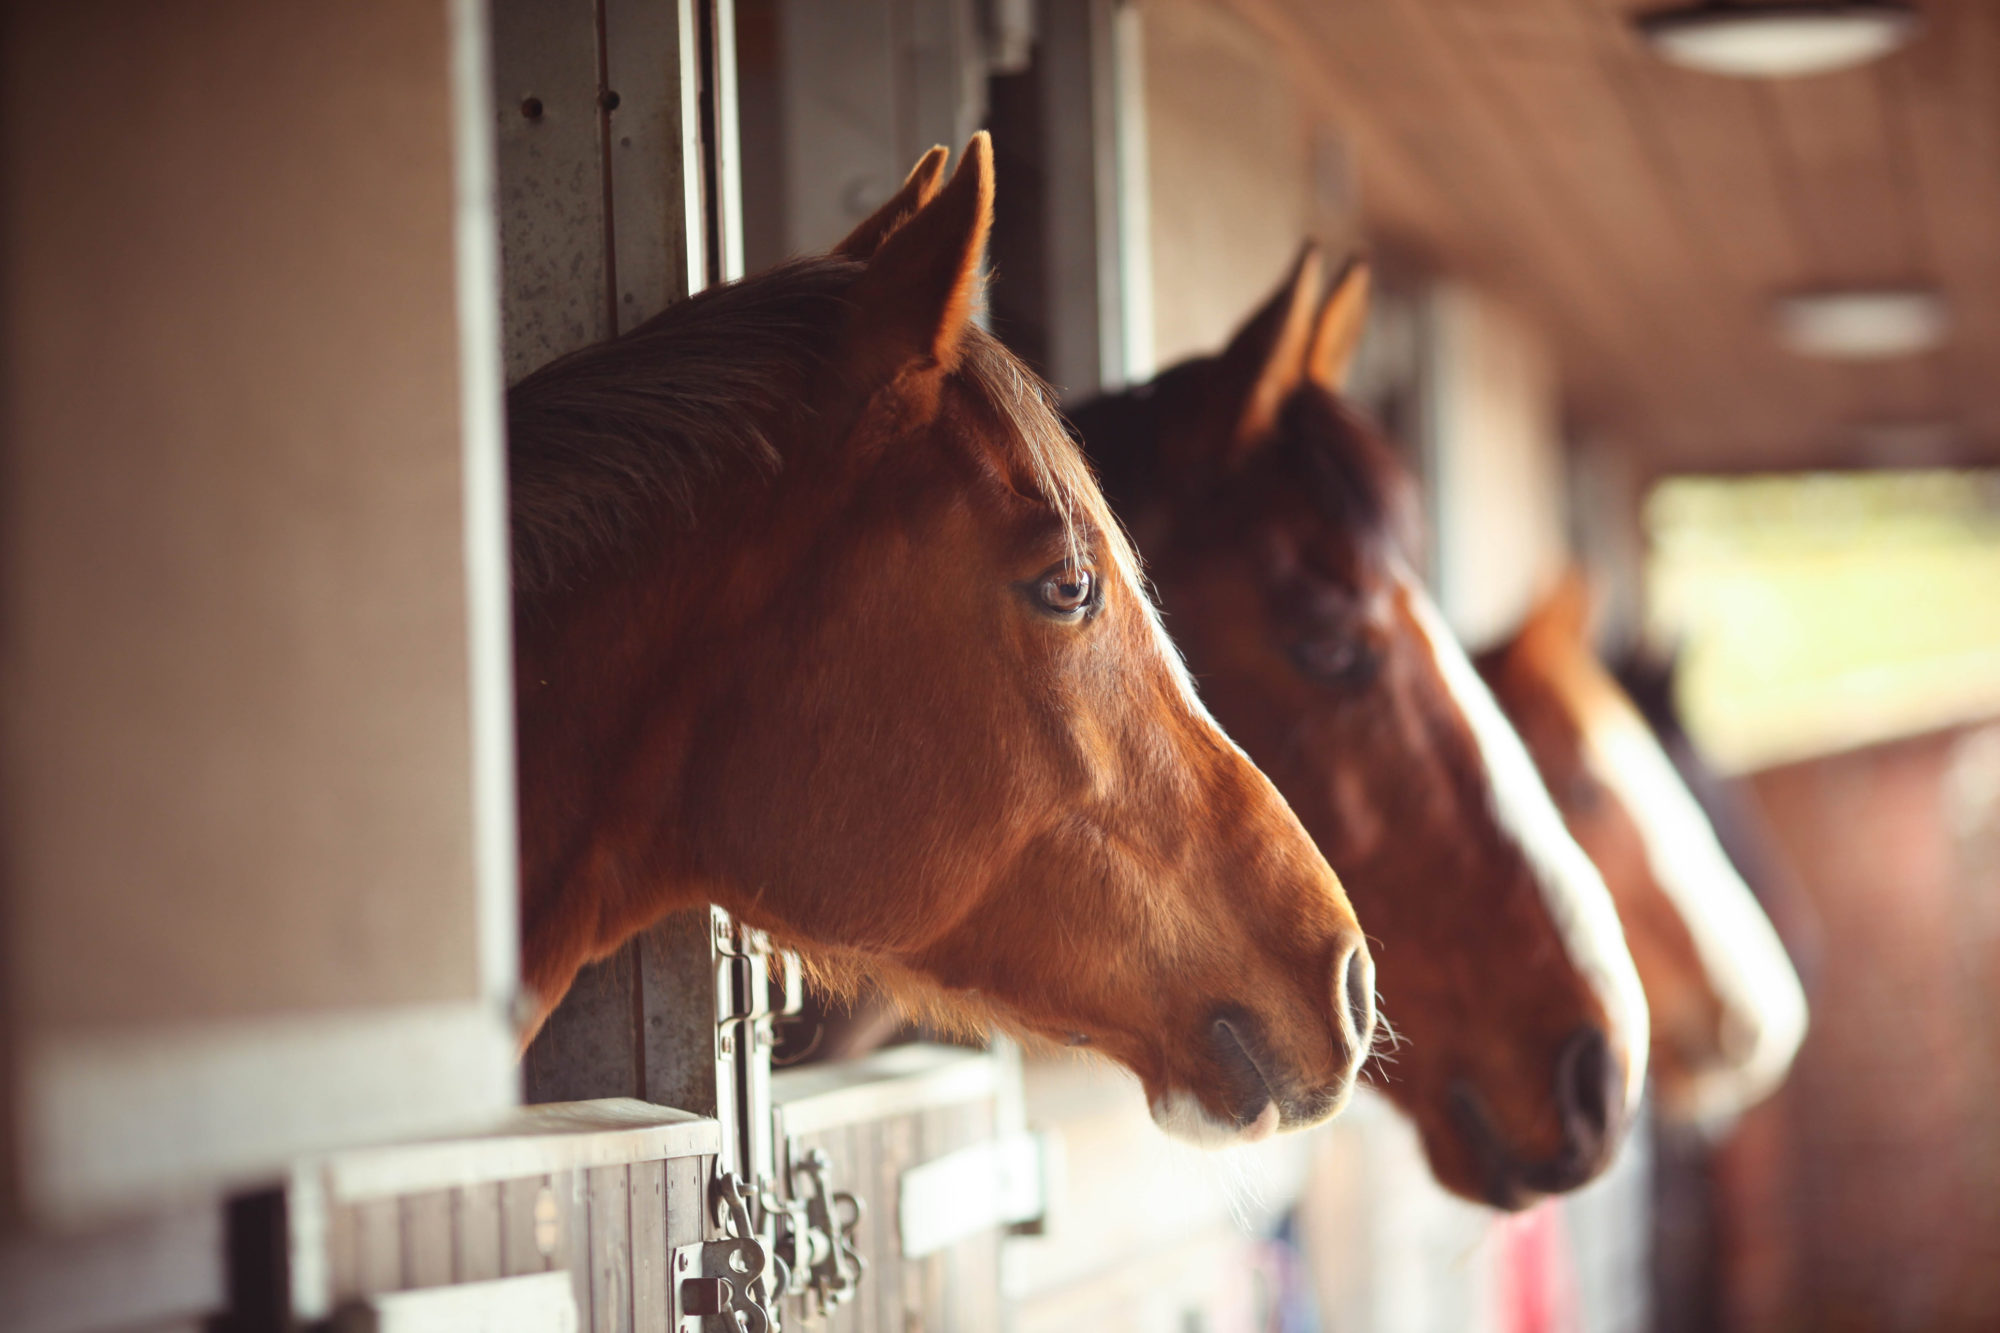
point(1357, 993)
point(1587, 1091)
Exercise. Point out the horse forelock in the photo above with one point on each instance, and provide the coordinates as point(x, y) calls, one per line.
point(1354, 479)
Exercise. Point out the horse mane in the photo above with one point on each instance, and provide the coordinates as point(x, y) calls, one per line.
point(1352, 477)
point(1357, 482)
point(628, 436)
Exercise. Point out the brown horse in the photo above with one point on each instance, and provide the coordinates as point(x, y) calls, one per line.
point(820, 617)
point(1728, 1012)
point(1280, 534)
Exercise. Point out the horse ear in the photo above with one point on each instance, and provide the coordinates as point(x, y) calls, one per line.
point(1265, 361)
point(1337, 330)
point(919, 188)
point(914, 302)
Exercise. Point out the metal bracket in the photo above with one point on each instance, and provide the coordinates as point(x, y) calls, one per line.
point(727, 1284)
point(816, 1235)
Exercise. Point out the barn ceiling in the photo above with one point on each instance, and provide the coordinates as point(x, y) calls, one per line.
point(1648, 215)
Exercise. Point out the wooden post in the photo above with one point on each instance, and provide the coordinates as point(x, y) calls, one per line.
point(609, 190)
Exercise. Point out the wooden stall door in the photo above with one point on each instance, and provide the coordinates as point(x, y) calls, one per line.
point(916, 1156)
point(571, 1211)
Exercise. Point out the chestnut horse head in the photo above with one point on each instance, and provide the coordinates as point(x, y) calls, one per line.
point(822, 618)
point(1728, 1012)
point(1278, 530)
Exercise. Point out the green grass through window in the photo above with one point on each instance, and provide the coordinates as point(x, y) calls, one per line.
point(1817, 612)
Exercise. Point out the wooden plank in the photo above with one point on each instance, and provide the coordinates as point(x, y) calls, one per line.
point(476, 1233)
point(608, 1256)
point(975, 1298)
point(534, 1140)
point(911, 1147)
point(1645, 215)
point(537, 1303)
point(1946, 92)
point(1713, 154)
point(378, 1246)
point(941, 1270)
point(1847, 180)
point(893, 1152)
point(528, 1222)
point(1833, 131)
point(688, 1217)
point(882, 1086)
point(571, 1191)
point(861, 1167)
point(427, 1238)
point(1403, 81)
point(652, 1298)
point(343, 1257)
point(839, 1144)
point(1540, 74)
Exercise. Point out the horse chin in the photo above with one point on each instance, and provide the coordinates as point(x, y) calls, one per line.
point(1182, 1116)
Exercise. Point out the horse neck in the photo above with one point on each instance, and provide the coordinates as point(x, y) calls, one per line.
point(613, 673)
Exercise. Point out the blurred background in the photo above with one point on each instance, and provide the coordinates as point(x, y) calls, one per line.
point(1707, 307)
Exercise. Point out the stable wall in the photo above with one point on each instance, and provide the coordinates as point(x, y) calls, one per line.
point(1862, 1196)
point(255, 755)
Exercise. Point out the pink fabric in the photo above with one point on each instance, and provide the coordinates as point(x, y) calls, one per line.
point(1538, 1290)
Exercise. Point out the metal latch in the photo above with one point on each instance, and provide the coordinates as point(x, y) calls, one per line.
point(816, 1235)
point(726, 1284)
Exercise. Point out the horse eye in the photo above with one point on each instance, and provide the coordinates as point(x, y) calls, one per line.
point(1067, 592)
point(1339, 659)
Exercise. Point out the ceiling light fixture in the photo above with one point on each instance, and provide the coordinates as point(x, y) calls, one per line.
point(1777, 41)
point(1862, 325)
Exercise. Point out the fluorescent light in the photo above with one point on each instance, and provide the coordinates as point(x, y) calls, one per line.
point(1862, 325)
point(1777, 40)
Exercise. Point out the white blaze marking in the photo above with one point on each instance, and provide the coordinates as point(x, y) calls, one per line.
point(1745, 963)
point(1573, 892)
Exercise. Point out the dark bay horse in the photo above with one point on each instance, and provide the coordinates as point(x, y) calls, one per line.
point(821, 617)
point(1728, 1012)
point(1279, 531)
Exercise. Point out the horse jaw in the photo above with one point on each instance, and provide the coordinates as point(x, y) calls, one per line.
point(1180, 1115)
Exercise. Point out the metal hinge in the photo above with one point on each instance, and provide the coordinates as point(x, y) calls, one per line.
point(816, 1236)
point(728, 1285)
